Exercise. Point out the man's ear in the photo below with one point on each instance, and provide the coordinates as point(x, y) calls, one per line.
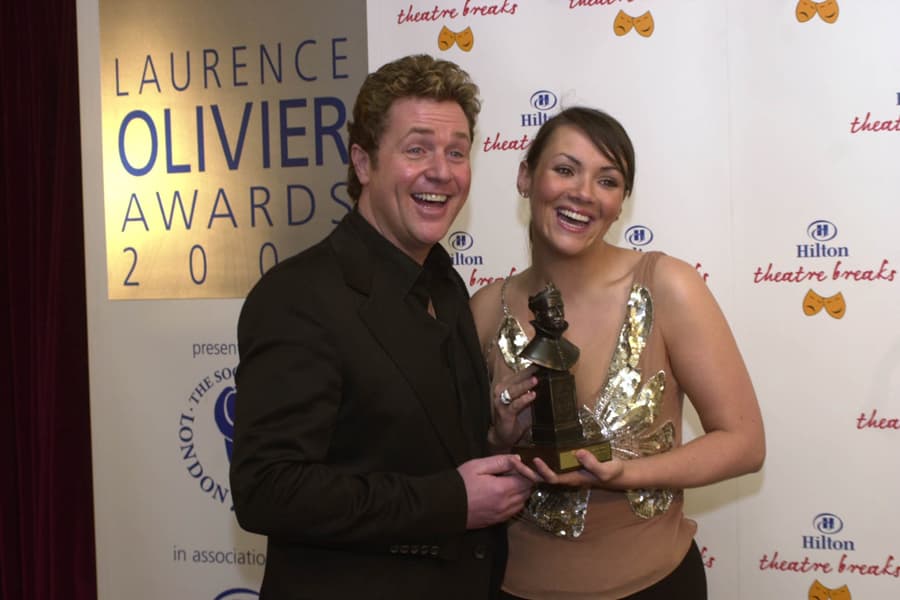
point(361, 163)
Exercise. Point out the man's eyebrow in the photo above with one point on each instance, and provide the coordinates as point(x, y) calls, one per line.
point(428, 131)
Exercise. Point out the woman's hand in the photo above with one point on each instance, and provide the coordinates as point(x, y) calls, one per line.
point(512, 394)
point(593, 474)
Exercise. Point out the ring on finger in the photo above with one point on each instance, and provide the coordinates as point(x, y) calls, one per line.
point(505, 398)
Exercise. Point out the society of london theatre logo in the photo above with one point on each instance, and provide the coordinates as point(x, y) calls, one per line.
point(205, 434)
point(238, 594)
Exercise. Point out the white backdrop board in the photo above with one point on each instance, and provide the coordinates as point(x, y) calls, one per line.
point(766, 134)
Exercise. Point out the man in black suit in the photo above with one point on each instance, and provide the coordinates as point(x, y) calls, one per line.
point(363, 402)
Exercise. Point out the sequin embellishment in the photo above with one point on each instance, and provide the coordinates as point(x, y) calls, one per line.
point(625, 413)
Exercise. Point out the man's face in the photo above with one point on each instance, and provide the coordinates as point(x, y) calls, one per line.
point(421, 178)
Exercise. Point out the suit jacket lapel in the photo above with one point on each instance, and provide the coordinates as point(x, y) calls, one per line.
point(479, 409)
point(404, 335)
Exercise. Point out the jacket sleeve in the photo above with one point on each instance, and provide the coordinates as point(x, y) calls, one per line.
point(284, 485)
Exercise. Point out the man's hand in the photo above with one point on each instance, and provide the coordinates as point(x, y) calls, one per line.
point(496, 488)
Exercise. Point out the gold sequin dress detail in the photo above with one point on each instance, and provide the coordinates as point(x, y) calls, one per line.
point(602, 543)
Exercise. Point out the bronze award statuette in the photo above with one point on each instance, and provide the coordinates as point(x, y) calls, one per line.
point(555, 429)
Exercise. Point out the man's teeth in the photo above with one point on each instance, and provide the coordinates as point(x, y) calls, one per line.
point(431, 197)
point(574, 216)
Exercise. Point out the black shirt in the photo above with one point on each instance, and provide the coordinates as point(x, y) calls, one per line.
point(437, 280)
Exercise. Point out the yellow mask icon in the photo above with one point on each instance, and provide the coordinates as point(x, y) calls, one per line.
point(817, 591)
point(834, 305)
point(464, 39)
point(828, 10)
point(643, 24)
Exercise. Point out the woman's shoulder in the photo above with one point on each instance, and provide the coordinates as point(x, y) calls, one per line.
point(676, 281)
point(622, 263)
point(487, 296)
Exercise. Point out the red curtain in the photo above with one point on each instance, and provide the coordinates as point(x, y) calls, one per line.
point(46, 506)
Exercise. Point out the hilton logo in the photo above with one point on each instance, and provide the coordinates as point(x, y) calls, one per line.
point(827, 524)
point(459, 242)
point(821, 231)
point(542, 101)
point(638, 236)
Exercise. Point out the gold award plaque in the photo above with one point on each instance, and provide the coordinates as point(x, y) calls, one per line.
point(223, 138)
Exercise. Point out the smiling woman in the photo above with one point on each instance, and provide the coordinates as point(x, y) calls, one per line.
point(650, 335)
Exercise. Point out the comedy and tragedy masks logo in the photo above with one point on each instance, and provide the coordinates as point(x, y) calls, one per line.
point(833, 305)
point(817, 591)
point(464, 39)
point(643, 24)
point(828, 10)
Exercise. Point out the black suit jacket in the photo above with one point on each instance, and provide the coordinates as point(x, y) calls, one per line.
point(347, 441)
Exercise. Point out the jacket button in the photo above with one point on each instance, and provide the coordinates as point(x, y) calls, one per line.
point(480, 551)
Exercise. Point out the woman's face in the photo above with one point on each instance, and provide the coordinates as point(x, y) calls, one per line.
point(576, 193)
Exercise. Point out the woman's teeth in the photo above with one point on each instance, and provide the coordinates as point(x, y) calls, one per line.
point(574, 216)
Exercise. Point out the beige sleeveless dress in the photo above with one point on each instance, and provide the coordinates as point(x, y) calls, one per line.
point(599, 544)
